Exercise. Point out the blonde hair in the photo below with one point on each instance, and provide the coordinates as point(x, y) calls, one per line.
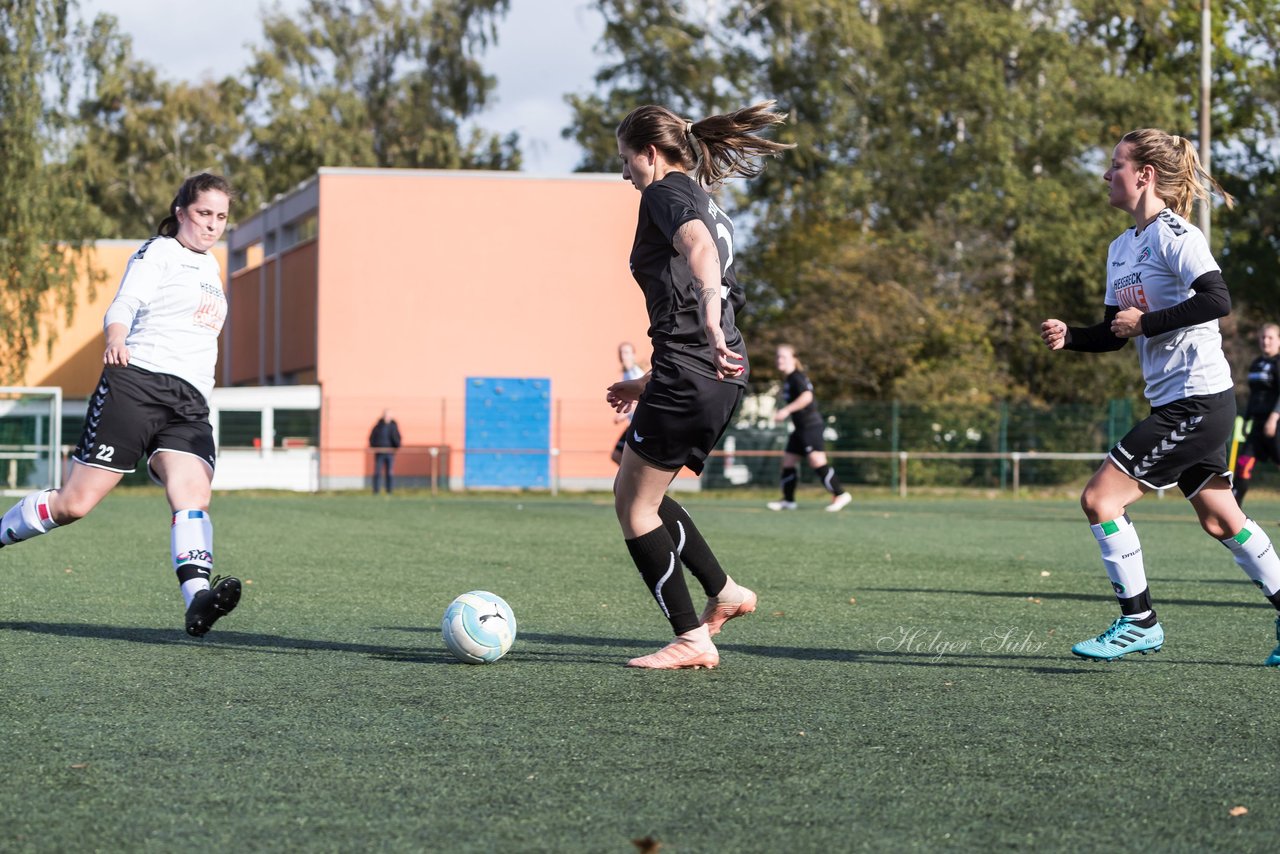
point(1180, 179)
point(792, 350)
point(711, 149)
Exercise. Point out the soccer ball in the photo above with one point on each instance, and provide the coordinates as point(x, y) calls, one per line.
point(478, 627)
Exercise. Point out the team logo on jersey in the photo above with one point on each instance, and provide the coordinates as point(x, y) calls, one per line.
point(212, 310)
point(1117, 263)
point(1146, 253)
point(1132, 297)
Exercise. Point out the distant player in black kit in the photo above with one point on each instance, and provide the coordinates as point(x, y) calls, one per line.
point(152, 401)
point(1262, 412)
point(682, 259)
point(799, 404)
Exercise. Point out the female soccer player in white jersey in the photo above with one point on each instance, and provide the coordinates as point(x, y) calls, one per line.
point(682, 258)
point(1165, 290)
point(153, 397)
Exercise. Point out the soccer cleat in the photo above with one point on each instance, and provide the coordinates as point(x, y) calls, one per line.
point(782, 505)
point(208, 605)
point(1273, 660)
point(1120, 639)
point(679, 654)
point(839, 502)
point(718, 612)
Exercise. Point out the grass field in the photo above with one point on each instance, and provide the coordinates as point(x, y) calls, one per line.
point(906, 684)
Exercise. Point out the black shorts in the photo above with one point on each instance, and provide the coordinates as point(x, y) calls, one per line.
point(1184, 442)
point(805, 440)
point(680, 418)
point(1258, 444)
point(134, 412)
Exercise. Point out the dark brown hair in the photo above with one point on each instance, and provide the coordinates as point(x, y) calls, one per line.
point(188, 193)
point(1180, 179)
point(711, 149)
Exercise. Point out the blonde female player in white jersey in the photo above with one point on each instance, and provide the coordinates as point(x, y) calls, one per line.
point(1165, 290)
point(153, 398)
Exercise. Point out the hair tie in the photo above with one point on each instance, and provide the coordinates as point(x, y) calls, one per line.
point(688, 128)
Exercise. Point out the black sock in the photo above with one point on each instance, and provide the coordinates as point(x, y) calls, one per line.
point(188, 571)
point(1274, 599)
point(655, 556)
point(827, 475)
point(1136, 605)
point(789, 484)
point(694, 553)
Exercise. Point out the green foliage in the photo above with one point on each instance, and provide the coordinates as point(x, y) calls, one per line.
point(141, 136)
point(388, 84)
point(41, 216)
point(945, 195)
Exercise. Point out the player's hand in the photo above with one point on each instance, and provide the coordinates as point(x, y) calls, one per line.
point(622, 396)
point(779, 415)
point(1128, 323)
point(116, 355)
point(1270, 427)
point(724, 357)
point(1054, 334)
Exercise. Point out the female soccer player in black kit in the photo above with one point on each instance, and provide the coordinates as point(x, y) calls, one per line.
point(1262, 412)
point(806, 439)
point(682, 259)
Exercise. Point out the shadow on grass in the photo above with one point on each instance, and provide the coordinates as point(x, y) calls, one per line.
point(228, 640)
point(1061, 665)
point(1076, 597)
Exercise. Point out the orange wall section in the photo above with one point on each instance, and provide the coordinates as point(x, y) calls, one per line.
point(427, 278)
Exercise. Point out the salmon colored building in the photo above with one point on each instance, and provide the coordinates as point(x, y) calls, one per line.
point(484, 309)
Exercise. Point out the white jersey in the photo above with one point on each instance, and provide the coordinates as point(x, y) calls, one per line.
point(1154, 270)
point(171, 301)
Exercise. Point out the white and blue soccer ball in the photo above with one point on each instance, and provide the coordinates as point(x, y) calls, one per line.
point(478, 627)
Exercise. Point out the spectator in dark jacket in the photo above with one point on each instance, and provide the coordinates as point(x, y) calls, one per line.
point(384, 439)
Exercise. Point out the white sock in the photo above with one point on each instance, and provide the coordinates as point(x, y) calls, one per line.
point(191, 546)
point(29, 518)
point(1122, 556)
point(1256, 555)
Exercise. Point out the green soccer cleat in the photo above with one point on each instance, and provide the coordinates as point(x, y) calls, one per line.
point(1273, 660)
point(1123, 637)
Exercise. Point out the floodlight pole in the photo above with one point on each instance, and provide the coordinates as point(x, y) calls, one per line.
point(1205, 51)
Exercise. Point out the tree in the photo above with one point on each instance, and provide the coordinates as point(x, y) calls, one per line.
point(385, 83)
point(141, 136)
point(952, 152)
point(42, 221)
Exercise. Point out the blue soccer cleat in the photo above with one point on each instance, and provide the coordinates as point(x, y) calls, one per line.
point(1273, 660)
point(1123, 637)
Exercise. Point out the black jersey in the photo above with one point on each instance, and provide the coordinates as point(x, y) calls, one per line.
point(793, 386)
point(1264, 386)
point(675, 323)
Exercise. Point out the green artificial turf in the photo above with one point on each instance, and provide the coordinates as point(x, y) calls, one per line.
point(906, 684)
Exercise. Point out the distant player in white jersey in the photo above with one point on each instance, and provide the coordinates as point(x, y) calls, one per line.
point(153, 398)
point(1165, 290)
point(631, 370)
